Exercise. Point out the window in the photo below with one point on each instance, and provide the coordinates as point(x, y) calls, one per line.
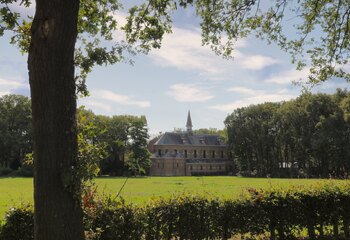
point(175, 151)
point(195, 153)
point(222, 154)
point(158, 165)
point(177, 165)
point(185, 153)
point(201, 167)
point(210, 167)
point(191, 167)
point(204, 154)
point(159, 152)
point(213, 154)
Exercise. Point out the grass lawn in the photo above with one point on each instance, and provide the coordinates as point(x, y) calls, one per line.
point(13, 191)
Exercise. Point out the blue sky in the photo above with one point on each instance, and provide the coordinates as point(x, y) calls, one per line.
point(181, 75)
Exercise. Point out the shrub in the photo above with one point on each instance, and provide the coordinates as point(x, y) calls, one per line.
point(19, 224)
point(5, 171)
point(114, 220)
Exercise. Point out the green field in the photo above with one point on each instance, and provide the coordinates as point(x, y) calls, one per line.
point(13, 191)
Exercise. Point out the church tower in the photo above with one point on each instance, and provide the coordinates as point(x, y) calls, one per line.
point(189, 122)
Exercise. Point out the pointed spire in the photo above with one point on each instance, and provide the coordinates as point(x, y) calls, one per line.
point(189, 122)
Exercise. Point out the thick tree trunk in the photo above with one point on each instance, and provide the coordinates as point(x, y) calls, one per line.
point(51, 75)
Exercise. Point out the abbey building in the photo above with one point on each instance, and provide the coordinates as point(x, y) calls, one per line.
point(188, 154)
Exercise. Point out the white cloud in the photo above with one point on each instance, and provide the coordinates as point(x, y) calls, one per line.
point(95, 104)
point(262, 97)
point(11, 83)
point(242, 90)
point(257, 62)
point(287, 77)
point(189, 93)
point(120, 99)
point(8, 86)
point(118, 34)
point(4, 93)
point(183, 49)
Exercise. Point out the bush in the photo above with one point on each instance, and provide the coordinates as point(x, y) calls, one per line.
point(114, 220)
point(23, 172)
point(19, 224)
point(5, 171)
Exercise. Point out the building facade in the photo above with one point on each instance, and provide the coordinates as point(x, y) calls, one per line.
point(189, 154)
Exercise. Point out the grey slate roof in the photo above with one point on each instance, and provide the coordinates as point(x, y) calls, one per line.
point(185, 138)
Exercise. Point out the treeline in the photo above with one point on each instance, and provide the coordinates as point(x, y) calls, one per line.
point(305, 137)
point(114, 145)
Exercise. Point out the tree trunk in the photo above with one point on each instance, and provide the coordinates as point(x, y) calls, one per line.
point(58, 214)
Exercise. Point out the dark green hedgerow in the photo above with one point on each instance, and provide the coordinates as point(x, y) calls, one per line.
point(314, 212)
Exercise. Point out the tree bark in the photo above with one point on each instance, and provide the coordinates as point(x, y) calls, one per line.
point(58, 214)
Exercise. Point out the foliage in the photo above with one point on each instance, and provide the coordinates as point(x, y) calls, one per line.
point(27, 166)
point(90, 153)
point(116, 220)
point(125, 139)
point(19, 224)
point(222, 133)
point(275, 214)
point(5, 171)
point(15, 130)
point(303, 137)
point(138, 159)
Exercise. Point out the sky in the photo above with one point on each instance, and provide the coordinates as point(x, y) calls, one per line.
point(182, 75)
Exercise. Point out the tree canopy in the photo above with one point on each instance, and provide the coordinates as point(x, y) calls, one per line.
point(15, 130)
point(305, 137)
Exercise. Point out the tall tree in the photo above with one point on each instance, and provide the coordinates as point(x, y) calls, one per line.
point(58, 214)
point(138, 158)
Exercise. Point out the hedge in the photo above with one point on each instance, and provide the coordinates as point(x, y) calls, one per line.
point(273, 214)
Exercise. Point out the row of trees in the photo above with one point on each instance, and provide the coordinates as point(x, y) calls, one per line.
point(308, 136)
point(115, 145)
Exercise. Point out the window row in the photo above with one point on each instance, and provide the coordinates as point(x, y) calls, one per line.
point(201, 167)
point(196, 154)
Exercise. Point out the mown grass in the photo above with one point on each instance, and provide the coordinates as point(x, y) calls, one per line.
point(14, 191)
